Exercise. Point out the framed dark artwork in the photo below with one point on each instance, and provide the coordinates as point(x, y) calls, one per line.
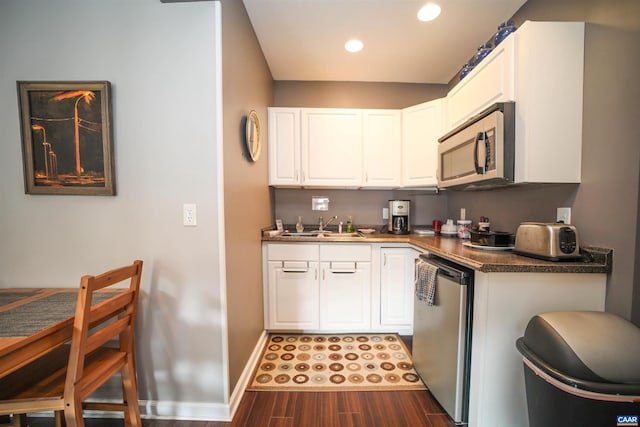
point(67, 145)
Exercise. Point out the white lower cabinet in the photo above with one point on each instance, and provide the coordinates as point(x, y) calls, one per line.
point(314, 287)
point(345, 287)
point(503, 304)
point(293, 294)
point(396, 287)
point(341, 287)
point(345, 296)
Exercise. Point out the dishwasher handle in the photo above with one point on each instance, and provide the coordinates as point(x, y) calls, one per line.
point(447, 270)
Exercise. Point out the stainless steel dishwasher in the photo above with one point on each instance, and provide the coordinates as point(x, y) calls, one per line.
point(442, 337)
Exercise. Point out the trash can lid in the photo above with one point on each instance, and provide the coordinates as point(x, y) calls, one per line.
point(589, 345)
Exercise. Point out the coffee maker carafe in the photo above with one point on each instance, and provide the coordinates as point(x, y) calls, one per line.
point(399, 216)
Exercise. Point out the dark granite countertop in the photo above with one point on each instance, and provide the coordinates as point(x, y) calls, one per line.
point(597, 260)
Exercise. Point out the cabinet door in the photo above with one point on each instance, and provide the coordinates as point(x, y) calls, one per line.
point(491, 81)
point(382, 145)
point(293, 295)
point(396, 286)
point(549, 87)
point(422, 125)
point(331, 145)
point(345, 296)
point(284, 146)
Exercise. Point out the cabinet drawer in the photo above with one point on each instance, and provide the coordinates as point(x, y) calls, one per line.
point(295, 252)
point(357, 252)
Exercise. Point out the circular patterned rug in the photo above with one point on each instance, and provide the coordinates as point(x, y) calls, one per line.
point(299, 362)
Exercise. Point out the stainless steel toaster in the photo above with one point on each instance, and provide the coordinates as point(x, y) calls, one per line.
point(550, 241)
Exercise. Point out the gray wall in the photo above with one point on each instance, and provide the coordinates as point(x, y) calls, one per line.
point(364, 206)
point(354, 94)
point(160, 60)
point(247, 85)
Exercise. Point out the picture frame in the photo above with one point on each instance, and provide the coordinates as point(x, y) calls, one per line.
point(67, 138)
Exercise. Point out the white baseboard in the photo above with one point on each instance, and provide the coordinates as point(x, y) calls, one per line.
point(207, 411)
point(245, 377)
point(195, 411)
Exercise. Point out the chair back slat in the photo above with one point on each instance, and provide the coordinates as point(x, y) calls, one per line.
point(107, 334)
point(109, 308)
point(111, 277)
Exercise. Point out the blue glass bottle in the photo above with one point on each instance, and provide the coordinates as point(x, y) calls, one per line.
point(504, 30)
point(466, 69)
point(482, 52)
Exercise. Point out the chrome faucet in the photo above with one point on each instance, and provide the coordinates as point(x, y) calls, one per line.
point(321, 226)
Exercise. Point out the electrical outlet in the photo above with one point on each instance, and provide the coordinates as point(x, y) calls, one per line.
point(563, 215)
point(385, 213)
point(189, 215)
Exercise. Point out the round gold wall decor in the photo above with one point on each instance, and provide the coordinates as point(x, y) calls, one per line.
point(252, 135)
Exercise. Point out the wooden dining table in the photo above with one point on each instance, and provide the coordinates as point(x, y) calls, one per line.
point(35, 321)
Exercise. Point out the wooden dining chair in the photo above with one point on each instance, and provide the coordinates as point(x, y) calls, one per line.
point(101, 346)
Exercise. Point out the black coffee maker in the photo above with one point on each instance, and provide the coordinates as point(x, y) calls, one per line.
point(399, 217)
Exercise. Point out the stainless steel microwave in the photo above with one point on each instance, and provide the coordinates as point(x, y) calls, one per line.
point(479, 153)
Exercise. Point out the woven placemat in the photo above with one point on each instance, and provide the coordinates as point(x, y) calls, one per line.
point(28, 319)
point(10, 297)
point(335, 362)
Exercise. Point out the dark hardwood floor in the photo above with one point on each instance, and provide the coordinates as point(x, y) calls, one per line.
point(313, 409)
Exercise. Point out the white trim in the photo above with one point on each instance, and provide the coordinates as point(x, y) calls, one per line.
point(222, 278)
point(248, 370)
point(194, 411)
point(576, 391)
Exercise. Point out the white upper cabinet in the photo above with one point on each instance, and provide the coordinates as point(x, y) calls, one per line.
point(540, 67)
point(331, 147)
point(422, 125)
point(355, 148)
point(382, 148)
point(489, 82)
point(284, 146)
point(549, 100)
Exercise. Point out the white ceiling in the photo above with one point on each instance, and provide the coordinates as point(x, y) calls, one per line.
point(304, 39)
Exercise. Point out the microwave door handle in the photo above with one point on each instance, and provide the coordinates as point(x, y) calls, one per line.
point(481, 136)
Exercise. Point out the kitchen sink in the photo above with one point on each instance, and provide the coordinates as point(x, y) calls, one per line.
point(332, 235)
point(321, 234)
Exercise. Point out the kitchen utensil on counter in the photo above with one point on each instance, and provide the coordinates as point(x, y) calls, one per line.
point(484, 224)
point(449, 229)
point(399, 217)
point(464, 228)
point(492, 238)
point(367, 230)
point(436, 226)
point(423, 231)
point(549, 241)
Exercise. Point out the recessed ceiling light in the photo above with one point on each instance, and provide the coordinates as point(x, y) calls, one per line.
point(353, 45)
point(429, 12)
